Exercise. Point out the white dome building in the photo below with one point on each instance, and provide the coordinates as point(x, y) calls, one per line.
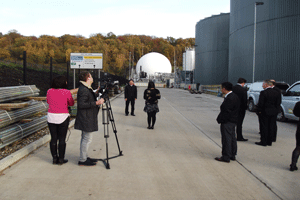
point(153, 62)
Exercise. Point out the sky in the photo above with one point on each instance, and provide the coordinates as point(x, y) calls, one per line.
point(159, 18)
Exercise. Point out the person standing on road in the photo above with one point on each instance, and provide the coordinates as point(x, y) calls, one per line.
point(130, 97)
point(151, 95)
point(296, 151)
point(87, 116)
point(241, 92)
point(228, 119)
point(267, 109)
point(58, 117)
point(274, 138)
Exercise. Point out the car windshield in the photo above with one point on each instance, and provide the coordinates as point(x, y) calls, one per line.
point(294, 91)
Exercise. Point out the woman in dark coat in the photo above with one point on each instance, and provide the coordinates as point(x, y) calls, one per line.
point(151, 95)
point(296, 151)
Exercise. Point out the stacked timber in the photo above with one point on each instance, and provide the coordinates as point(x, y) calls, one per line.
point(22, 118)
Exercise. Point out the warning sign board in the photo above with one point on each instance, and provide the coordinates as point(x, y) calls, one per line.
point(86, 60)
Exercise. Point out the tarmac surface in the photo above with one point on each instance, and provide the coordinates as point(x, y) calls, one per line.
point(173, 161)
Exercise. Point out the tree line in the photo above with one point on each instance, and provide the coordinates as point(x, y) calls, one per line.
point(117, 51)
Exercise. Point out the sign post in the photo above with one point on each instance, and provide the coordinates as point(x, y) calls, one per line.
point(86, 61)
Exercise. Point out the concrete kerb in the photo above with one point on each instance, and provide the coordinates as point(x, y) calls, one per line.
point(18, 155)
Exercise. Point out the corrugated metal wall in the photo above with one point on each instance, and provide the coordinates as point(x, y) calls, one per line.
point(277, 40)
point(212, 43)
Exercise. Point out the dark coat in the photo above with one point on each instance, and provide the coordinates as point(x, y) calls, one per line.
point(241, 92)
point(151, 96)
point(130, 92)
point(229, 109)
point(87, 110)
point(296, 109)
point(269, 102)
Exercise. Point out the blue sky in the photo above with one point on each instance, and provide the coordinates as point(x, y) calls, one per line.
point(160, 18)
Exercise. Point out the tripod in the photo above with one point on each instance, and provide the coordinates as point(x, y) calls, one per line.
point(107, 116)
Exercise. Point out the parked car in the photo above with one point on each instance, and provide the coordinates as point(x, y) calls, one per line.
point(289, 98)
point(254, 92)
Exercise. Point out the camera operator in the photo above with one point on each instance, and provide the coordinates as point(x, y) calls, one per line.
point(87, 116)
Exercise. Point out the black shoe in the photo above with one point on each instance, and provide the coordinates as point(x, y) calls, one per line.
point(242, 140)
point(269, 144)
point(293, 168)
point(60, 162)
point(149, 127)
point(92, 159)
point(233, 158)
point(86, 163)
point(152, 127)
point(132, 114)
point(55, 161)
point(261, 144)
point(221, 159)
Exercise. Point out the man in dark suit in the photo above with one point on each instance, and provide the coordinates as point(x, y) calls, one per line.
point(274, 138)
point(130, 97)
point(241, 92)
point(228, 118)
point(267, 109)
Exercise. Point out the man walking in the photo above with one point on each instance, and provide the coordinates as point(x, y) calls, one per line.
point(130, 97)
point(241, 92)
point(87, 116)
point(267, 109)
point(228, 118)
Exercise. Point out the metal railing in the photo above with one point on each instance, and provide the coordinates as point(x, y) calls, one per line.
point(212, 89)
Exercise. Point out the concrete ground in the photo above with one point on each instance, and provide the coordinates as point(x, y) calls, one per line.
point(173, 161)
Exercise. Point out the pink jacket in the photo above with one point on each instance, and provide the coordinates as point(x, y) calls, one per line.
point(59, 100)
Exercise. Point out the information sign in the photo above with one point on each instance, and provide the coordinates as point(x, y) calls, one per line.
point(86, 60)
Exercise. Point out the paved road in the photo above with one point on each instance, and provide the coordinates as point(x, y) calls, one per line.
point(173, 161)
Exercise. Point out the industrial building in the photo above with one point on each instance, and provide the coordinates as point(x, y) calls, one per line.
point(225, 43)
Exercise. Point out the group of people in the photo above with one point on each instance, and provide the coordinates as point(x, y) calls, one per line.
point(60, 98)
point(232, 113)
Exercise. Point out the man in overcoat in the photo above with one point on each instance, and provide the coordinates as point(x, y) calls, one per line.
point(130, 97)
point(87, 116)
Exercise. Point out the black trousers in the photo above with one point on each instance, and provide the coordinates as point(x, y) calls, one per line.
point(58, 133)
point(239, 125)
point(296, 151)
point(267, 129)
point(151, 117)
point(229, 144)
point(132, 101)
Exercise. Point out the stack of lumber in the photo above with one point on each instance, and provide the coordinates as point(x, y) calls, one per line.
point(22, 118)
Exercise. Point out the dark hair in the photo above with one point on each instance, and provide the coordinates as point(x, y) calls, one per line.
point(59, 82)
point(268, 82)
point(242, 80)
point(227, 86)
point(151, 84)
point(131, 80)
point(83, 76)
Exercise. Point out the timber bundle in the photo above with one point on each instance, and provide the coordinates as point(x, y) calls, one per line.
point(21, 113)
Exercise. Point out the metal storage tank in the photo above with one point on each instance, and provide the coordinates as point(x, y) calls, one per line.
point(277, 40)
point(212, 44)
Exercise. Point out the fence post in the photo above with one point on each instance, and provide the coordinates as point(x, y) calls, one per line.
point(24, 67)
point(68, 74)
point(50, 71)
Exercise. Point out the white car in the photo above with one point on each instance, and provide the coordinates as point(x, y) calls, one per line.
point(289, 99)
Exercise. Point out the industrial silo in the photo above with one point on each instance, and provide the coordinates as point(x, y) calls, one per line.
point(277, 46)
point(211, 49)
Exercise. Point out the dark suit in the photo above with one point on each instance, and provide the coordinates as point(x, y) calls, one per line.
point(228, 118)
point(267, 109)
point(130, 95)
point(241, 92)
point(274, 138)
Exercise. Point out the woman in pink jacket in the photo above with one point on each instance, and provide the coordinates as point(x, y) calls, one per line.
point(59, 98)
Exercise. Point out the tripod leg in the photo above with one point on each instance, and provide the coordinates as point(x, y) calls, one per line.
point(111, 119)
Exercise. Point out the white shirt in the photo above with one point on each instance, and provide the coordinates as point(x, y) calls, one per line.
point(227, 94)
point(57, 118)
